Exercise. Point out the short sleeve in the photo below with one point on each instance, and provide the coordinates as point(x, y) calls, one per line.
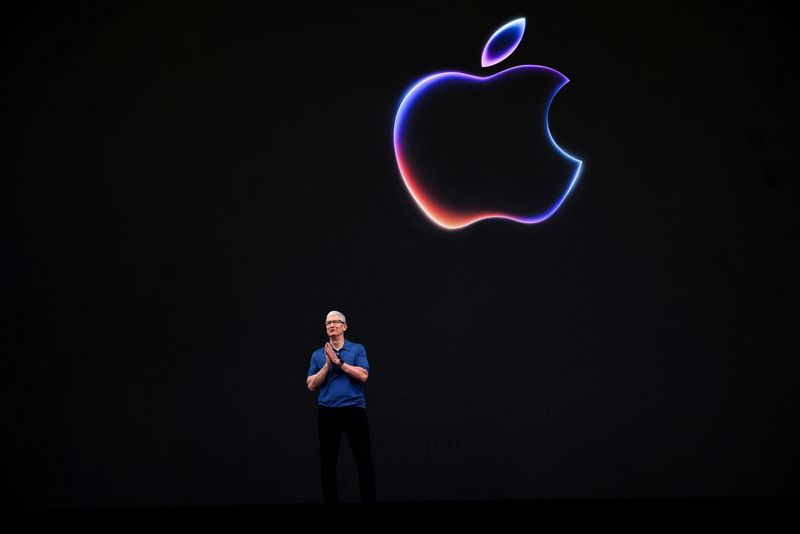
point(314, 367)
point(361, 358)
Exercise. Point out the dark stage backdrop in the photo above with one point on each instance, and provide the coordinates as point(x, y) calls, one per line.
point(188, 189)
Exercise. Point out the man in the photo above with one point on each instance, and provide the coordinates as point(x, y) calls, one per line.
point(338, 370)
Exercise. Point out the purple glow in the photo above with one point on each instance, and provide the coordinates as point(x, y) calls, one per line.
point(439, 214)
point(497, 49)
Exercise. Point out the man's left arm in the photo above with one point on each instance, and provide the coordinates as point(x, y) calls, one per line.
point(357, 372)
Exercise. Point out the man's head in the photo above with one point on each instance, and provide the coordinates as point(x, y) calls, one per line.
point(335, 323)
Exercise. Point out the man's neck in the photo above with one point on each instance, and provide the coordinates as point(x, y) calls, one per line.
point(337, 342)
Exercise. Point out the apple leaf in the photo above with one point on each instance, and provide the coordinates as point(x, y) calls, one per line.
point(503, 42)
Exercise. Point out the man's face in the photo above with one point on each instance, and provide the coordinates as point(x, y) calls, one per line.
point(334, 325)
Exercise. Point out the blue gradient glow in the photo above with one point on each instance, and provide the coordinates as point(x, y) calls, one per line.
point(499, 46)
point(497, 49)
point(434, 210)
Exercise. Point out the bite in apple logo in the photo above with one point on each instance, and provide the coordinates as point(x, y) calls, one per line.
point(470, 148)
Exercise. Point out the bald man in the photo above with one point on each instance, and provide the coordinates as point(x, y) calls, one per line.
point(338, 370)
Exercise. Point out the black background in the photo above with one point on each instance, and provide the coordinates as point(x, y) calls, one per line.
point(188, 189)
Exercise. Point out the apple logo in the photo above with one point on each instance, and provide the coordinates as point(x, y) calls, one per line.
point(471, 148)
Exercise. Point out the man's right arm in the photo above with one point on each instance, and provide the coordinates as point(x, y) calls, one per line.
point(314, 381)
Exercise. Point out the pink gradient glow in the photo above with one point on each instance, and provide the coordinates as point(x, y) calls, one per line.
point(435, 211)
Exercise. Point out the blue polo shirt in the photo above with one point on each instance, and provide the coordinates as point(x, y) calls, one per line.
point(338, 389)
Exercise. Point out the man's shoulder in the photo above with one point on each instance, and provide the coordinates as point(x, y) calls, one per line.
point(353, 345)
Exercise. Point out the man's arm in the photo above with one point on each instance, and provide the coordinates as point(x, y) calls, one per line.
point(353, 371)
point(314, 381)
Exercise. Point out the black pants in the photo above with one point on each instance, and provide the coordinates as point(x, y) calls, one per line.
point(353, 421)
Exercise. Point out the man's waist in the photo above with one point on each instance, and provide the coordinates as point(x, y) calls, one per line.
point(324, 408)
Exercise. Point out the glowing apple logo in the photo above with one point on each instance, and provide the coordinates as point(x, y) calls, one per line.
point(468, 149)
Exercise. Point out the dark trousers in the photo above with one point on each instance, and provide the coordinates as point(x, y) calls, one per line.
point(353, 422)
